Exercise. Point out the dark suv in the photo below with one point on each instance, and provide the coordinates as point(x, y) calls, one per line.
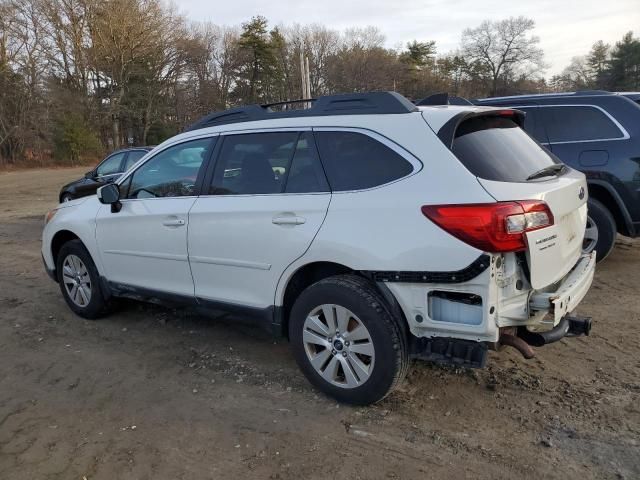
point(598, 133)
point(107, 171)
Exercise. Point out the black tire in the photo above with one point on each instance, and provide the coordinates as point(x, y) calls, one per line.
point(66, 197)
point(97, 305)
point(606, 227)
point(390, 343)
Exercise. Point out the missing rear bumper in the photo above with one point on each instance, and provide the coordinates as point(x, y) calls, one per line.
point(523, 339)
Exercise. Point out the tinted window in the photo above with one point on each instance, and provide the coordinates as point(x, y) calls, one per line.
point(574, 124)
point(495, 148)
point(111, 165)
point(171, 173)
point(133, 157)
point(306, 174)
point(254, 163)
point(534, 123)
point(354, 161)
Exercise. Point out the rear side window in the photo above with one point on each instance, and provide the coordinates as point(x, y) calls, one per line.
point(268, 163)
point(495, 148)
point(580, 123)
point(354, 161)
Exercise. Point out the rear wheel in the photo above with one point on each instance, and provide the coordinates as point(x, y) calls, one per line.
point(600, 234)
point(346, 341)
point(79, 281)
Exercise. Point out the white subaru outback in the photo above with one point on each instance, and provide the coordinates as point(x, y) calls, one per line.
point(366, 229)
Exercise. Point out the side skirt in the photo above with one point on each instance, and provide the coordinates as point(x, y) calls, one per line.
point(262, 317)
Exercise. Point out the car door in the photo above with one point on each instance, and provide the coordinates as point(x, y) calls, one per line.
point(144, 245)
point(266, 200)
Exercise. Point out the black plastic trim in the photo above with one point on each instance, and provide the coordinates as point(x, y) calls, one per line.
point(262, 316)
point(50, 271)
point(478, 266)
point(632, 227)
point(123, 290)
point(451, 351)
point(448, 131)
point(344, 104)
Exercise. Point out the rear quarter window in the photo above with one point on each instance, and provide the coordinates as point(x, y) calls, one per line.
point(496, 148)
point(354, 161)
point(579, 124)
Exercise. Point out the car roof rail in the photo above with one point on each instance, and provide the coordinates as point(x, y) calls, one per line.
point(442, 98)
point(592, 92)
point(344, 104)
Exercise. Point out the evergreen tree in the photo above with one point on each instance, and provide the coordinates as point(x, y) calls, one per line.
point(257, 66)
point(624, 66)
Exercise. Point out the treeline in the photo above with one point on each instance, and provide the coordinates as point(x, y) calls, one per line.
point(79, 77)
point(607, 67)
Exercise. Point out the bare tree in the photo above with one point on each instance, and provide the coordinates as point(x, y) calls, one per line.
point(504, 47)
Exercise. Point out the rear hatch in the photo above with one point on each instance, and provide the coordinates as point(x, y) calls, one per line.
point(510, 165)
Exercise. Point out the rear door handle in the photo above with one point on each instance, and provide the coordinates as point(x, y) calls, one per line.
point(173, 222)
point(288, 220)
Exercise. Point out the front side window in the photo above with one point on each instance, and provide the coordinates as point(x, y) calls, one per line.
point(111, 165)
point(354, 161)
point(172, 172)
point(580, 123)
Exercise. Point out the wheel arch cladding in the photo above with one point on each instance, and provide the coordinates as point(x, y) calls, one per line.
point(313, 272)
point(59, 239)
point(601, 193)
point(302, 278)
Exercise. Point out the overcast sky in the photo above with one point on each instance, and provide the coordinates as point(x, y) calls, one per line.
point(566, 27)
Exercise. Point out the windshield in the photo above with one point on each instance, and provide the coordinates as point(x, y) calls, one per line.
point(495, 148)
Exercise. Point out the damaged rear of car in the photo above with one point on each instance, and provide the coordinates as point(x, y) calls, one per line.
point(533, 272)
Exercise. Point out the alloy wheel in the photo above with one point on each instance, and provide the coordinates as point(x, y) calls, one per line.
point(77, 281)
point(338, 346)
point(590, 236)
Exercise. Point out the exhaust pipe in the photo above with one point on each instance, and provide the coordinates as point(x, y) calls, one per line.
point(568, 326)
point(519, 344)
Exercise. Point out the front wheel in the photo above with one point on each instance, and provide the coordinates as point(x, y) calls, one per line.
point(346, 341)
point(600, 234)
point(79, 281)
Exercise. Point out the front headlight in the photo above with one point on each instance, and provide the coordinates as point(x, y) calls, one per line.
point(50, 214)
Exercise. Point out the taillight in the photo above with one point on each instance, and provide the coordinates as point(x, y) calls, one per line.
point(491, 227)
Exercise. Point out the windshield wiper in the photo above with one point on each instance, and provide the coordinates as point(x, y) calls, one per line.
point(554, 169)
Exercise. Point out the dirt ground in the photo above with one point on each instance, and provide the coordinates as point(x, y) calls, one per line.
point(153, 393)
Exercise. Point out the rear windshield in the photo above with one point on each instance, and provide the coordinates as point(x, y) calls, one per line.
point(495, 148)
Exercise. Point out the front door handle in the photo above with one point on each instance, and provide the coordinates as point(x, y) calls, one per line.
point(288, 220)
point(173, 222)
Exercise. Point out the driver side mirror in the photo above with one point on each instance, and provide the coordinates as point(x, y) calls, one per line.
point(109, 194)
point(90, 174)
